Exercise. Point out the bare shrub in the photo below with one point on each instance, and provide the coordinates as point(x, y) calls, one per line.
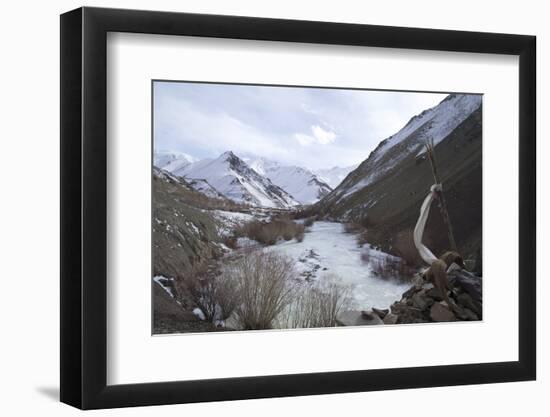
point(226, 296)
point(309, 222)
point(269, 233)
point(352, 227)
point(362, 238)
point(249, 229)
point(391, 268)
point(231, 242)
point(300, 234)
point(212, 293)
point(288, 230)
point(263, 282)
point(306, 212)
point(316, 306)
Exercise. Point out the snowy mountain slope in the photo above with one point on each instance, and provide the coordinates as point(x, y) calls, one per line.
point(199, 185)
point(232, 177)
point(202, 186)
point(299, 182)
point(262, 165)
point(335, 175)
point(171, 160)
point(385, 192)
point(434, 124)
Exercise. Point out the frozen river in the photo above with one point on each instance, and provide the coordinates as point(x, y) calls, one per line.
point(328, 253)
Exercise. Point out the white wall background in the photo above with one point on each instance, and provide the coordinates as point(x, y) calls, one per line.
point(29, 176)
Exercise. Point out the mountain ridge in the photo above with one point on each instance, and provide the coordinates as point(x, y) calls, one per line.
point(232, 177)
point(304, 185)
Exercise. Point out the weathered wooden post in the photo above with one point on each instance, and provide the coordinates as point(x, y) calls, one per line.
point(442, 204)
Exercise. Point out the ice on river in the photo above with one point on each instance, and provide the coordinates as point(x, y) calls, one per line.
point(327, 251)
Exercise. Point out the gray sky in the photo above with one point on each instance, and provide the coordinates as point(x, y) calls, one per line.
point(311, 127)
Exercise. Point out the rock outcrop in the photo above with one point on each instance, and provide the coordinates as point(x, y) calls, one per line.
point(423, 303)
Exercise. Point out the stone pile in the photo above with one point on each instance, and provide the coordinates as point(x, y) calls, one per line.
point(423, 303)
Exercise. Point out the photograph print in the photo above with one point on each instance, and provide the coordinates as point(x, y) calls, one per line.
point(294, 207)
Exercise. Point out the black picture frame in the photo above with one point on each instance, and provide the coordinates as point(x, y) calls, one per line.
point(84, 207)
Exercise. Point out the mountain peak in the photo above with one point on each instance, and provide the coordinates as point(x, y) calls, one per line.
point(171, 160)
point(227, 155)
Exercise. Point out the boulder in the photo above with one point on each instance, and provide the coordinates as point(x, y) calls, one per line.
point(440, 312)
point(434, 293)
point(418, 281)
point(468, 282)
point(419, 301)
point(368, 315)
point(409, 292)
point(390, 318)
point(408, 314)
point(469, 315)
point(357, 318)
point(466, 301)
point(380, 312)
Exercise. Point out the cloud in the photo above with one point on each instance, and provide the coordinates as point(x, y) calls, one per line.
point(304, 140)
point(319, 135)
point(310, 127)
point(324, 137)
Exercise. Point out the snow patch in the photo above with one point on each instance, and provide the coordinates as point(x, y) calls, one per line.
point(198, 312)
point(166, 284)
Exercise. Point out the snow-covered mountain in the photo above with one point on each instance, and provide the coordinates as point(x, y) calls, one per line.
point(434, 124)
point(172, 160)
point(204, 187)
point(302, 184)
point(233, 178)
point(385, 193)
point(335, 175)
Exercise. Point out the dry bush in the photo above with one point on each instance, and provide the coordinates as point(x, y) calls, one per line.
point(360, 226)
point(305, 212)
point(357, 229)
point(212, 293)
point(231, 242)
point(263, 283)
point(314, 306)
point(362, 238)
point(300, 234)
point(391, 268)
point(227, 297)
point(353, 227)
point(269, 233)
point(309, 222)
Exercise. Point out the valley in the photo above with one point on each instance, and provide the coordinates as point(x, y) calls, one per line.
point(339, 238)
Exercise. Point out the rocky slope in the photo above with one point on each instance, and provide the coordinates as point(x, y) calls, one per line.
point(183, 232)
